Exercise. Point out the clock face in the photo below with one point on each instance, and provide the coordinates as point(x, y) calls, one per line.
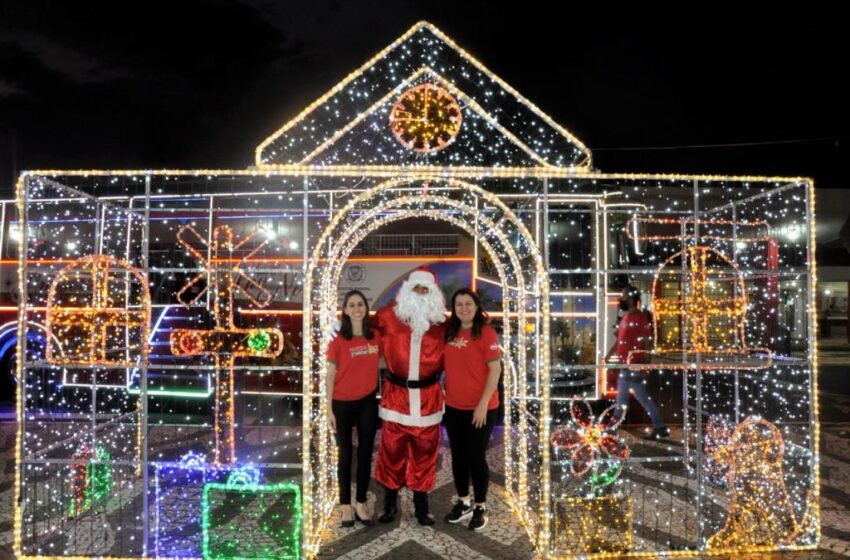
point(426, 118)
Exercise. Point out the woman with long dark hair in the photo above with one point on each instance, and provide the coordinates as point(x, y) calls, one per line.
point(352, 384)
point(472, 362)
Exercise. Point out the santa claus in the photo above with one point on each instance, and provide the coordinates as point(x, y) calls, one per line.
point(412, 337)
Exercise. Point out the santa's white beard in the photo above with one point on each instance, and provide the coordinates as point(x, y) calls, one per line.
point(419, 312)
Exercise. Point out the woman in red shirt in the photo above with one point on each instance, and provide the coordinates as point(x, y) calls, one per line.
point(472, 363)
point(352, 383)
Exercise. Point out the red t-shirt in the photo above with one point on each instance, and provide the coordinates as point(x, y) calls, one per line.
point(356, 366)
point(634, 332)
point(466, 362)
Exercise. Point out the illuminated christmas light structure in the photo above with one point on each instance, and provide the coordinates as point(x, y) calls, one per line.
point(591, 447)
point(91, 480)
point(707, 313)
point(98, 314)
point(243, 518)
point(423, 131)
point(226, 343)
point(761, 511)
point(591, 513)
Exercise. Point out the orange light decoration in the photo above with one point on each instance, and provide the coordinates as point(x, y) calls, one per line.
point(718, 433)
point(226, 342)
point(426, 118)
point(98, 314)
point(761, 511)
point(597, 525)
point(712, 323)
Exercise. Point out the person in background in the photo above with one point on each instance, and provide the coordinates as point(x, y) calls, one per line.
point(472, 364)
point(352, 382)
point(634, 335)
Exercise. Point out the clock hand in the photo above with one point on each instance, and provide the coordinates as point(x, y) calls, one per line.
point(426, 104)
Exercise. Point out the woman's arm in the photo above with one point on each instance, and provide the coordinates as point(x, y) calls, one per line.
point(329, 382)
point(479, 417)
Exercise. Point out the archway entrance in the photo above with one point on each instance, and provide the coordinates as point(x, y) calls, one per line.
point(525, 336)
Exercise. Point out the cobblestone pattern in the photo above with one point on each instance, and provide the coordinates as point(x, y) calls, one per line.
point(503, 537)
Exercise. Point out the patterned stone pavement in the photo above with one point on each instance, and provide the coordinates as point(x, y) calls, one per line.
point(503, 538)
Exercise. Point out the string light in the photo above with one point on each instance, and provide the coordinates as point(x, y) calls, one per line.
point(632, 227)
point(339, 166)
point(227, 342)
point(91, 479)
point(91, 315)
point(718, 434)
point(245, 519)
point(591, 447)
point(706, 313)
point(426, 118)
point(760, 511)
point(596, 525)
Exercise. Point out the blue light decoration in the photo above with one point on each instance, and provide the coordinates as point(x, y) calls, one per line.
point(243, 519)
point(223, 509)
point(178, 488)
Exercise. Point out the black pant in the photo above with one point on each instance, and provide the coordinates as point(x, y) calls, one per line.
point(469, 451)
point(362, 413)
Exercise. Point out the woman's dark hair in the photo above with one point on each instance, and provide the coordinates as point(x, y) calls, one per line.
point(478, 322)
point(346, 330)
point(633, 293)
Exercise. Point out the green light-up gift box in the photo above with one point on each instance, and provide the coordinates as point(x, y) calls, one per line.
point(243, 519)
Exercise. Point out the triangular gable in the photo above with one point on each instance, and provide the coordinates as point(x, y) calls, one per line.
point(344, 126)
point(481, 142)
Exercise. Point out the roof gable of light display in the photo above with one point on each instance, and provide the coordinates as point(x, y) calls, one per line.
point(384, 79)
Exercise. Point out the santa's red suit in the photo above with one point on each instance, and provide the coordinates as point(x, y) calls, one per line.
point(410, 438)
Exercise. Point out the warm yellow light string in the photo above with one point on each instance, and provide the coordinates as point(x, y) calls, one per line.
point(696, 309)
point(317, 255)
point(361, 228)
point(96, 318)
point(523, 428)
point(469, 103)
point(813, 357)
point(417, 173)
point(340, 86)
point(20, 188)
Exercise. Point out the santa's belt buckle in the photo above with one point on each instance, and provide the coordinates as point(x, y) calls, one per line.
point(412, 383)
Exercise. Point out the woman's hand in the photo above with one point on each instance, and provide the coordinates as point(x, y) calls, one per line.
point(479, 417)
point(331, 420)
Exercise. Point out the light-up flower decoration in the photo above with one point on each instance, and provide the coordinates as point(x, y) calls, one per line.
point(593, 448)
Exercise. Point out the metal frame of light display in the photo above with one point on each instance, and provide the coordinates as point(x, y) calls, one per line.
point(517, 183)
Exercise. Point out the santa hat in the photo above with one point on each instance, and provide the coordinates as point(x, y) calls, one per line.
point(423, 276)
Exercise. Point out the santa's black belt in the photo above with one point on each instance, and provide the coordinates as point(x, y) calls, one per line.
point(411, 384)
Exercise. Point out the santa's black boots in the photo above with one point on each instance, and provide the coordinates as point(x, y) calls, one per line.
point(390, 506)
point(421, 510)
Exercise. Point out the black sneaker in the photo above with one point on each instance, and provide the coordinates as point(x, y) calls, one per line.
point(479, 519)
point(461, 512)
point(659, 433)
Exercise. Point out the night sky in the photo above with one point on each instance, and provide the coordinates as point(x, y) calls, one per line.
point(199, 83)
